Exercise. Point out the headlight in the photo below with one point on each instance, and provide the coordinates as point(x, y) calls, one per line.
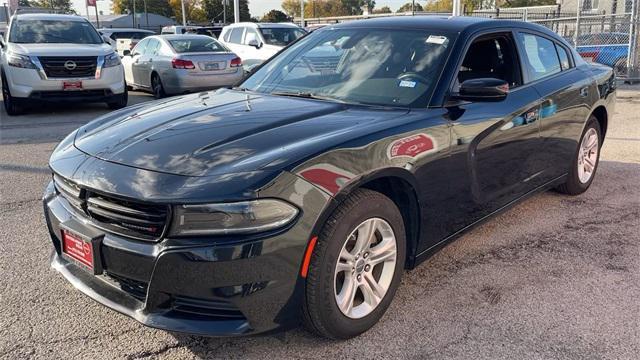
point(111, 60)
point(21, 61)
point(232, 218)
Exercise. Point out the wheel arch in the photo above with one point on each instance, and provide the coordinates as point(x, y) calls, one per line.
point(401, 187)
point(600, 112)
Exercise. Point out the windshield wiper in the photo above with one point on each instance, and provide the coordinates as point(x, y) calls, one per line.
point(309, 95)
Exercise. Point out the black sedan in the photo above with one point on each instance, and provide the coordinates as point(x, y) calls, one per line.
point(301, 195)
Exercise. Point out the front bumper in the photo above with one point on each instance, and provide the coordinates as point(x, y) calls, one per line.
point(28, 83)
point(213, 287)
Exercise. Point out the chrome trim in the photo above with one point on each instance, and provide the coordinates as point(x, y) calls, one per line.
point(43, 75)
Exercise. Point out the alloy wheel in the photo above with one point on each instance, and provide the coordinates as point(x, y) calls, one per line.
point(365, 268)
point(588, 155)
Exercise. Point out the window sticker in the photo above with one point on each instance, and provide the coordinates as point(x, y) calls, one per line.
point(433, 39)
point(407, 84)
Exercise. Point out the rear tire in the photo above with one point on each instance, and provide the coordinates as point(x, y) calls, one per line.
point(119, 101)
point(350, 284)
point(156, 87)
point(585, 161)
point(12, 105)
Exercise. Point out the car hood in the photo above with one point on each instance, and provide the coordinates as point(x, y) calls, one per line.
point(225, 132)
point(61, 49)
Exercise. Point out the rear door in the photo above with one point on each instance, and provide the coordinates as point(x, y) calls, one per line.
point(146, 62)
point(564, 91)
point(137, 64)
point(234, 40)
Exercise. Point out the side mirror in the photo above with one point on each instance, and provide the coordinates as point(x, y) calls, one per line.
point(483, 89)
point(126, 53)
point(252, 40)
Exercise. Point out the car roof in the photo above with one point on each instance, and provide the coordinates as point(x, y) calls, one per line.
point(443, 23)
point(182, 36)
point(49, 17)
point(114, 30)
point(264, 25)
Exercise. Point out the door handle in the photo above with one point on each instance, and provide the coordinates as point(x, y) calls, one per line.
point(584, 92)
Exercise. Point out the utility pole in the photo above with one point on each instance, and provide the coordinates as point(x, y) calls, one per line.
point(633, 55)
point(224, 12)
point(457, 4)
point(302, 13)
point(184, 14)
point(236, 11)
point(134, 14)
point(576, 33)
point(413, 7)
point(146, 14)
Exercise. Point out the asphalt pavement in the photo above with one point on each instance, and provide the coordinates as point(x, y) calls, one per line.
point(554, 277)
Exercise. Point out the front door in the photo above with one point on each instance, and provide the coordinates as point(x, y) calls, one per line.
point(495, 145)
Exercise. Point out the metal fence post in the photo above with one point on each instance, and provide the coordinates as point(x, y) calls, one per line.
point(633, 55)
point(576, 33)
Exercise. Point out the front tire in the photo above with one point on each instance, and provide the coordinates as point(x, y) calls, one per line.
point(355, 267)
point(157, 87)
point(586, 160)
point(119, 101)
point(12, 105)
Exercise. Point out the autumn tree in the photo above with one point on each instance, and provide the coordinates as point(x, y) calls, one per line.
point(64, 5)
point(326, 8)
point(160, 7)
point(275, 16)
point(407, 7)
point(193, 9)
point(214, 10)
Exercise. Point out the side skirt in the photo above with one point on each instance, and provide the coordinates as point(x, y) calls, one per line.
point(426, 254)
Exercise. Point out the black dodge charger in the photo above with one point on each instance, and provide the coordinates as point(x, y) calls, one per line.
point(301, 195)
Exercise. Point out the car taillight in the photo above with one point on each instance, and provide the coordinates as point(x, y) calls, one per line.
point(236, 62)
point(182, 64)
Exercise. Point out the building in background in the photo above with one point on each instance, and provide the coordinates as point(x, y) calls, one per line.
point(597, 6)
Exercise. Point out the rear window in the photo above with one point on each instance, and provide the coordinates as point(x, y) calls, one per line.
point(190, 45)
point(53, 32)
point(281, 36)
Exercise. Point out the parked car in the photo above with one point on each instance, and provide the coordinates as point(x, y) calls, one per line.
point(122, 39)
point(178, 29)
point(50, 57)
point(213, 31)
point(256, 42)
point(610, 49)
point(302, 194)
point(178, 64)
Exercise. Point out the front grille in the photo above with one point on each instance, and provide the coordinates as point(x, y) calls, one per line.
point(124, 217)
point(135, 288)
point(54, 66)
point(219, 309)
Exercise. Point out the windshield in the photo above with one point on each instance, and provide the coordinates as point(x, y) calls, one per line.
point(53, 31)
point(367, 66)
point(281, 36)
point(189, 45)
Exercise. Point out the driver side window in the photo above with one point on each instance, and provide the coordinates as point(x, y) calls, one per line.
point(140, 48)
point(492, 56)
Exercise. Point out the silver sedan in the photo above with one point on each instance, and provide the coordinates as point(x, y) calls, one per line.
point(178, 64)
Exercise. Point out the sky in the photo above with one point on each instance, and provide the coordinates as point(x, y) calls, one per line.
point(259, 7)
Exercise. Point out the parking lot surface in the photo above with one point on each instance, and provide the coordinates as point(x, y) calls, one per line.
point(553, 277)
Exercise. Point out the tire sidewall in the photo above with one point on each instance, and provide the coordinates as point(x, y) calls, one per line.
point(334, 320)
point(574, 179)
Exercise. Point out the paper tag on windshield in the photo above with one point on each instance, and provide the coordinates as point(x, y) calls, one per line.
point(433, 39)
point(407, 84)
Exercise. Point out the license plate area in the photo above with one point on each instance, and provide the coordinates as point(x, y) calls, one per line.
point(211, 65)
point(82, 250)
point(71, 85)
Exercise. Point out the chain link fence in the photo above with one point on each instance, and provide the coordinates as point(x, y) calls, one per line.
point(602, 31)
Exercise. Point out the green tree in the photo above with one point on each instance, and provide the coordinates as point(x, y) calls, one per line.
point(160, 7)
point(214, 10)
point(54, 4)
point(275, 16)
point(382, 10)
point(407, 7)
